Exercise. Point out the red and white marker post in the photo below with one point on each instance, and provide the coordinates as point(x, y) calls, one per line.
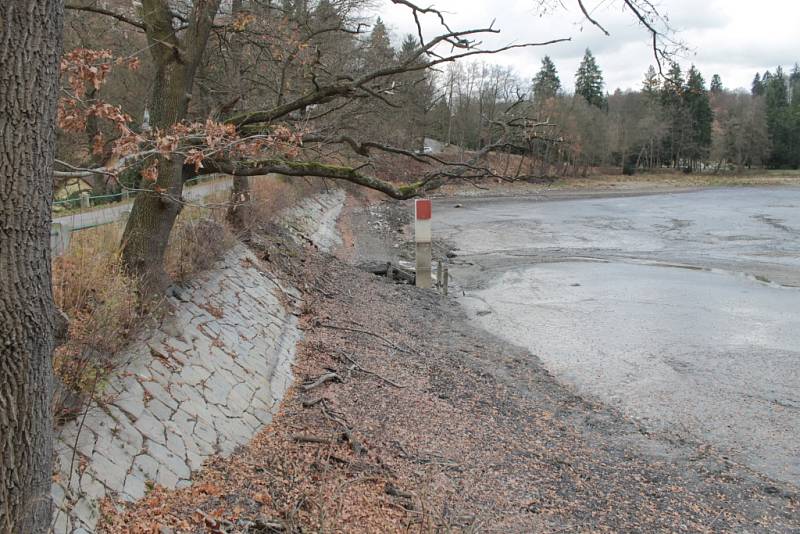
point(422, 238)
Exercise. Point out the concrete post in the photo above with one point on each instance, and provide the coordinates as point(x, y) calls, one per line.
point(422, 238)
point(85, 201)
point(126, 195)
point(445, 279)
point(59, 238)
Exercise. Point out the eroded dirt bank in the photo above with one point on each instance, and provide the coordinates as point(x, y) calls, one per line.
point(405, 418)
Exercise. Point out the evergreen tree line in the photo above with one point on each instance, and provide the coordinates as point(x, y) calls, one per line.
point(675, 120)
point(781, 95)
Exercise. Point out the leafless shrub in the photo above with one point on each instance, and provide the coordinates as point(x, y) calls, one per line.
point(270, 195)
point(103, 307)
point(196, 244)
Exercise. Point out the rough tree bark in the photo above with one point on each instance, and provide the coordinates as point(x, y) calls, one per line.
point(30, 49)
point(240, 207)
point(176, 59)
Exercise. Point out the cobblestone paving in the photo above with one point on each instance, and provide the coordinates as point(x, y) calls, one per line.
point(202, 384)
point(315, 219)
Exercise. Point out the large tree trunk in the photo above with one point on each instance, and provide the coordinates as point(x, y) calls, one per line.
point(153, 215)
point(240, 211)
point(30, 48)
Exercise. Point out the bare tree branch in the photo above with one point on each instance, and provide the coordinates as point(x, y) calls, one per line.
point(328, 93)
point(320, 170)
point(107, 12)
point(655, 34)
point(590, 19)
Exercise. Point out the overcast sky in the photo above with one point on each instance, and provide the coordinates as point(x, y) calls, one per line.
point(733, 38)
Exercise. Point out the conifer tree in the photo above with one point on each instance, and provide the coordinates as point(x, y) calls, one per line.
point(651, 84)
point(589, 81)
point(675, 116)
point(794, 86)
point(757, 88)
point(408, 47)
point(380, 51)
point(716, 84)
point(416, 93)
point(780, 120)
point(700, 115)
point(546, 83)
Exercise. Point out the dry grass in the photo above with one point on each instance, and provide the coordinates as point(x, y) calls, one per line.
point(89, 283)
point(200, 237)
point(102, 303)
point(644, 182)
point(271, 195)
point(668, 178)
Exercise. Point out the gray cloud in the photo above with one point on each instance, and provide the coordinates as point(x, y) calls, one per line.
point(734, 38)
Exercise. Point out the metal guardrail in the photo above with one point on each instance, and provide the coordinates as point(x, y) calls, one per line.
point(123, 195)
point(107, 213)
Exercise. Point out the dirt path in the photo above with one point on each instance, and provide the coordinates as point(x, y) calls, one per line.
point(431, 426)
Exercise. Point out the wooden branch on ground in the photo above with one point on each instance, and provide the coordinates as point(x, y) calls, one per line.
point(367, 371)
point(304, 438)
point(312, 403)
point(355, 444)
point(347, 432)
point(327, 377)
point(394, 491)
point(386, 341)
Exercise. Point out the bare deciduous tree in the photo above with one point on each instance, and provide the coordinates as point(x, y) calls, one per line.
point(310, 113)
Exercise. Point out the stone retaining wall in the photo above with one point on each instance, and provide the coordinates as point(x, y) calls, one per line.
point(201, 384)
point(315, 219)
